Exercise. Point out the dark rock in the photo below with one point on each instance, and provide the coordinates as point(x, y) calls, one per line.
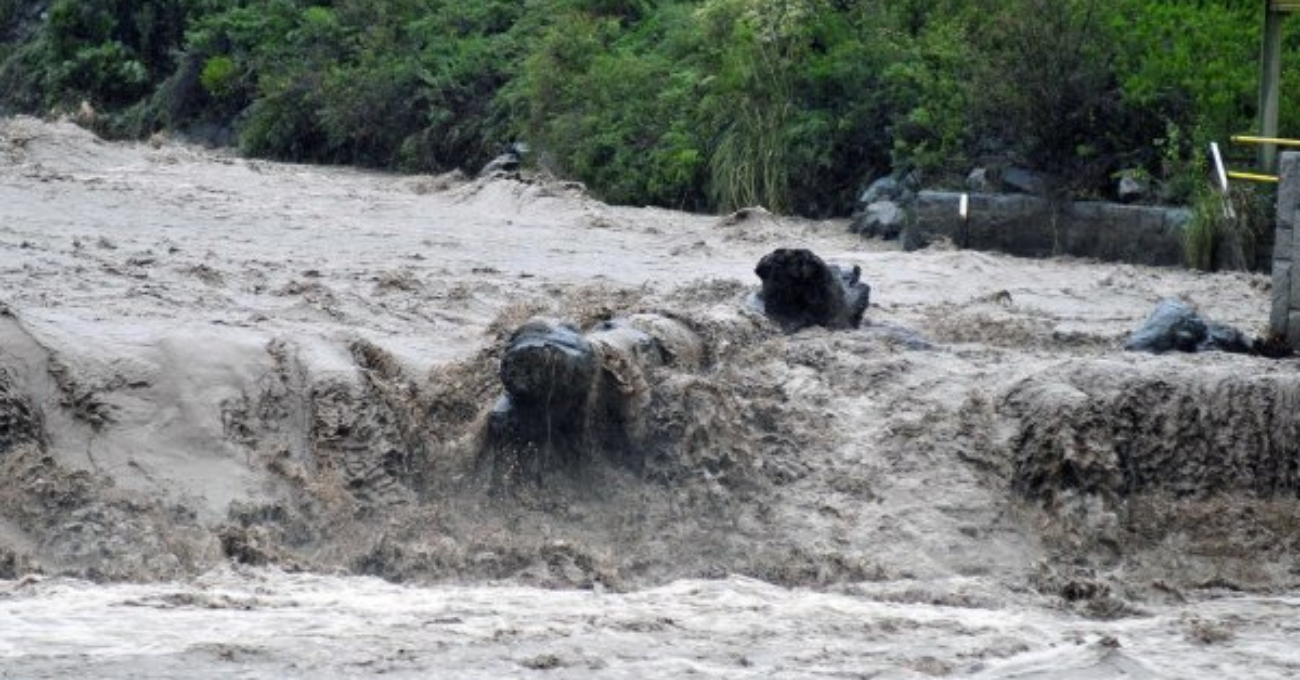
point(883, 219)
point(1020, 180)
point(508, 162)
point(1131, 189)
point(548, 362)
point(570, 395)
point(1223, 338)
point(1176, 326)
point(1272, 346)
point(1172, 326)
point(978, 180)
point(885, 189)
point(801, 290)
point(549, 371)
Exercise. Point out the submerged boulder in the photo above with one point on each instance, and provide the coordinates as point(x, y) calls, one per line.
point(1174, 325)
point(508, 162)
point(883, 219)
point(569, 393)
point(548, 371)
point(801, 290)
point(548, 362)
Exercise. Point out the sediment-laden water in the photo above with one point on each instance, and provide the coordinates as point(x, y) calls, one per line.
point(232, 393)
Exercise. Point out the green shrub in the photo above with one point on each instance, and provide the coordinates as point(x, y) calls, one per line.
point(616, 106)
point(219, 77)
point(928, 85)
point(701, 104)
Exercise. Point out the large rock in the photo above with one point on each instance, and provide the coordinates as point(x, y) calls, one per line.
point(1020, 180)
point(1131, 189)
point(801, 290)
point(979, 181)
point(1174, 325)
point(884, 189)
point(570, 395)
point(508, 162)
point(548, 362)
point(883, 219)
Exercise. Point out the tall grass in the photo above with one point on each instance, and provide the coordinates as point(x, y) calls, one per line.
point(749, 166)
point(1219, 238)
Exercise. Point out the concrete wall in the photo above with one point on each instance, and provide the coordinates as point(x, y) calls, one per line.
point(1030, 226)
point(1285, 320)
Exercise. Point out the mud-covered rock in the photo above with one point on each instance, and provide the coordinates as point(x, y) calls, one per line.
point(570, 394)
point(801, 290)
point(507, 163)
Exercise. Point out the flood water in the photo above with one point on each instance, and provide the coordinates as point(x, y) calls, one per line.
point(268, 624)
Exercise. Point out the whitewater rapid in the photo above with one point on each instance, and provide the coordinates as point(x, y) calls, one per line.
point(271, 624)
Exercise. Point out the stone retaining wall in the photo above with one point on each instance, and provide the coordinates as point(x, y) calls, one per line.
point(1030, 226)
point(1285, 320)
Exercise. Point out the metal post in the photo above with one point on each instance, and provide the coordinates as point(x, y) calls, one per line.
point(1270, 84)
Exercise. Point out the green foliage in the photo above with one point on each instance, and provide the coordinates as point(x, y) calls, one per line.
point(219, 76)
point(613, 107)
point(110, 52)
point(930, 86)
point(701, 104)
point(1045, 89)
point(1195, 61)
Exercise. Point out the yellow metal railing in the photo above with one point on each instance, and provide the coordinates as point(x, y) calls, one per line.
point(1225, 174)
point(1275, 141)
point(1253, 177)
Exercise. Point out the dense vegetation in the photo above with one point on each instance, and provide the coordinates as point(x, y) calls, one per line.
point(702, 104)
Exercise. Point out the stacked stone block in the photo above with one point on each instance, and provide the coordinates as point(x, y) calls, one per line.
point(1285, 319)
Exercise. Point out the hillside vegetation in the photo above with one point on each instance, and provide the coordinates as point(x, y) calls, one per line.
point(697, 104)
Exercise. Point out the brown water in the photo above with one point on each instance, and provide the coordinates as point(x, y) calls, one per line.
point(287, 366)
